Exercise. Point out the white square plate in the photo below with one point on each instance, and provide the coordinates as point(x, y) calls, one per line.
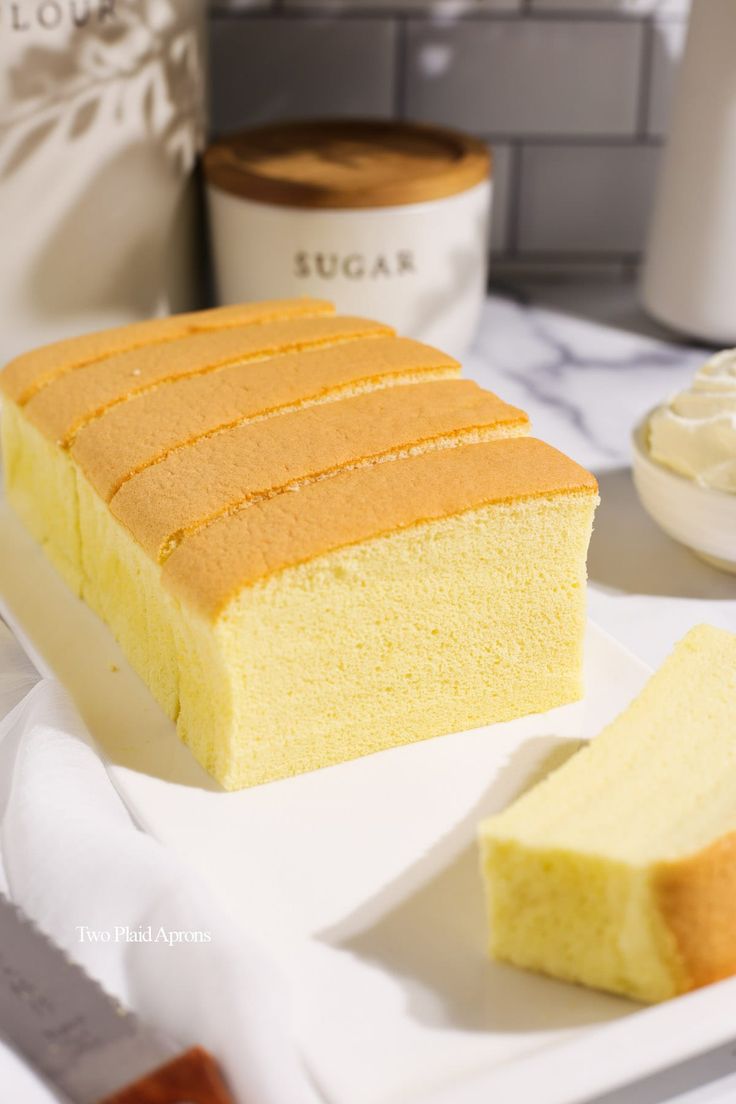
point(362, 880)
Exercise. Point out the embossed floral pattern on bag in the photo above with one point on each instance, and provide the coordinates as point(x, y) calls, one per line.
point(101, 120)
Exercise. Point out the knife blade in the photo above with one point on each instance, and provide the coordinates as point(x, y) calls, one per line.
point(84, 1042)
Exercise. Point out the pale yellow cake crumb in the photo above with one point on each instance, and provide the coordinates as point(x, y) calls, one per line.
point(619, 870)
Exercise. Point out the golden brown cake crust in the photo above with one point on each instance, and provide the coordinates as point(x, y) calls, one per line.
point(210, 567)
point(194, 485)
point(27, 374)
point(697, 901)
point(134, 434)
point(62, 407)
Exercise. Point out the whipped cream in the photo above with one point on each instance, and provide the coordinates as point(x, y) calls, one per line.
point(695, 432)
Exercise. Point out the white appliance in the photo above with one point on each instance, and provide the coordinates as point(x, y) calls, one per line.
point(690, 272)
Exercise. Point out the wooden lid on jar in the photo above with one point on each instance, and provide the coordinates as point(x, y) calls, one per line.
point(346, 163)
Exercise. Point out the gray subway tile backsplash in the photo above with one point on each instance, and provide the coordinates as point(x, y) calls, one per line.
point(441, 8)
point(573, 95)
point(635, 8)
point(586, 199)
point(525, 77)
point(271, 68)
point(503, 163)
point(224, 7)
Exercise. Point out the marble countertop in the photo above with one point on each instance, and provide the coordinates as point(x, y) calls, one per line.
point(586, 365)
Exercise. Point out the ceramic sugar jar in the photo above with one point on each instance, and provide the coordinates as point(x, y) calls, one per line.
point(387, 219)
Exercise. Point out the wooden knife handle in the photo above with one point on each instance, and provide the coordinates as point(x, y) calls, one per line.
point(190, 1078)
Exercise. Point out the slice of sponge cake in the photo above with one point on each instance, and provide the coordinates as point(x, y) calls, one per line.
point(387, 604)
point(143, 430)
point(310, 540)
point(195, 391)
point(218, 475)
point(223, 472)
point(32, 371)
point(65, 405)
point(619, 869)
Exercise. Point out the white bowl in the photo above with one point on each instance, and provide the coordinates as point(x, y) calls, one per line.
point(699, 517)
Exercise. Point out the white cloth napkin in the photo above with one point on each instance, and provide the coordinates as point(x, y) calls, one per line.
point(73, 859)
